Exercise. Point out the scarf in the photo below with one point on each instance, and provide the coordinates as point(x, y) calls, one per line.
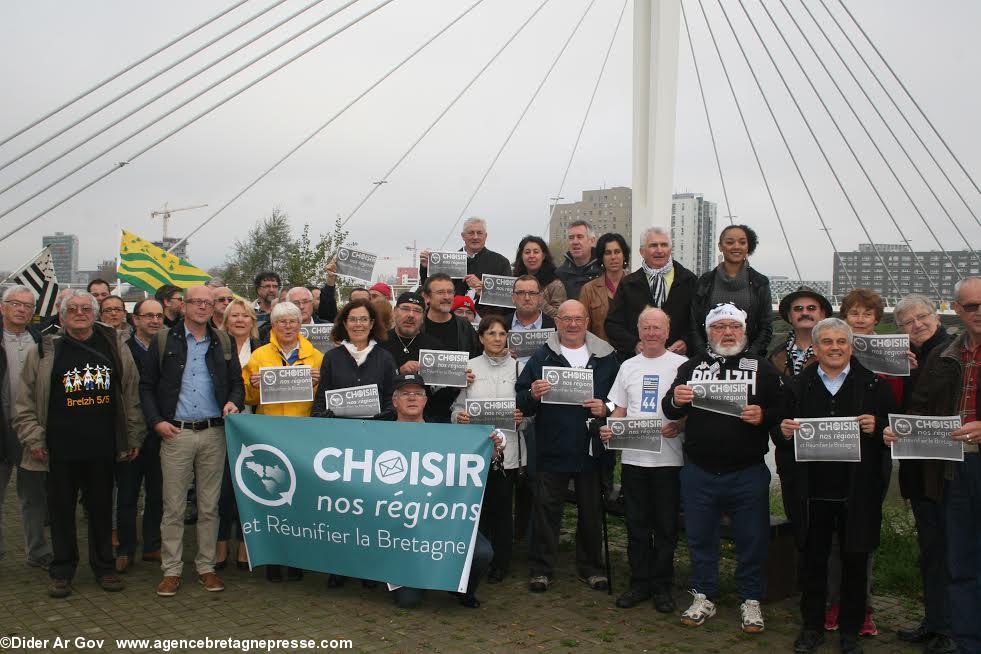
point(795, 356)
point(359, 356)
point(655, 280)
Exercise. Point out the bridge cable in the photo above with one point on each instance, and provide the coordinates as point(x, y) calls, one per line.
point(901, 112)
point(752, 145)
point(128, 68)
point(817, 142)
point(518, 122)
point(844, 138)
point(585, 117)
point(439, 117)
point(198, 116)
point(322, 127)
point(888, 126)
point(151, 100)
point(783, 137)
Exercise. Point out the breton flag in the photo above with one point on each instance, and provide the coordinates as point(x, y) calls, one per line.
point(143, 264)
point(39, 276)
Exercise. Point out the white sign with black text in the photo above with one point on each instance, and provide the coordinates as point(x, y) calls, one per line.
point(926, 437)
point(281, 384)
point(496, 291)
point(827, 439)
point(525, 343)
point(883, 353)
point(643, 434)
point(453, 264)
point(443, 367)
point(356, 264)
point(319, 335)
point(354, 402)
point(567, 385)
point(497, 412)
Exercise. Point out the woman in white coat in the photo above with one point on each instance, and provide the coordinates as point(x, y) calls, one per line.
point(494, 375)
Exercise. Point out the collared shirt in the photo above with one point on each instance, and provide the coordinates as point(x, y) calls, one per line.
point(197, 397)
point(289, 358)
point(971, 360)
point(833, 385)
point(516, 325)
point(143, 346)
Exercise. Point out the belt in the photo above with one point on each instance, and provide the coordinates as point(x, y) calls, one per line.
point(199, 425)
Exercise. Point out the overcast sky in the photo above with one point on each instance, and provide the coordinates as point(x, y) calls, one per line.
point(51, 50)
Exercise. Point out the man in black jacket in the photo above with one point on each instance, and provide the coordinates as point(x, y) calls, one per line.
point(580, 264)
point(186, 391)
point(660, 282)
point(835, 496)
point(724, 469)
point(480, 261)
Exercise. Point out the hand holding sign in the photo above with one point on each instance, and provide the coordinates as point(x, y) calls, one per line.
point(683, 394)
point(753, 414)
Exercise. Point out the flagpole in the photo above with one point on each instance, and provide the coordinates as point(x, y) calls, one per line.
point(20, 269)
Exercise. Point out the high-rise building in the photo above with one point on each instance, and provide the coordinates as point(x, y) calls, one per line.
point(167, 243)
point(865, 270)
point(693, 231)
point(64, 254)
point(607, 210)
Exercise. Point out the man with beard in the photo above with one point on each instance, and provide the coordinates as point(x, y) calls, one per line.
point(724, 469)
point(267, 285)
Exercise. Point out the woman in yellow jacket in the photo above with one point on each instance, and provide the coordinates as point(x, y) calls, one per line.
point(286, 347)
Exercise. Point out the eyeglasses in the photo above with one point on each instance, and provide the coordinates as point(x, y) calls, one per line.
point(448, 291)
point(526, 293)
point(288, 322)
point(200, 302)
point(113, 310)
point(969, 308)
point(175, 298)
point(302, 303)
point(801, 307)
point(271, 285)
point(415, 394)
point(225, 298)
point(577, 320)
point(722, 327)
point(405, 308)
point(915, 319)
point(82, 310)
point(150, 316)
point(358, 320)
point(14, 304)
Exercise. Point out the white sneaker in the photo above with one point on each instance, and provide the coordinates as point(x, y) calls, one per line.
point(701, 609)
point(752, 616)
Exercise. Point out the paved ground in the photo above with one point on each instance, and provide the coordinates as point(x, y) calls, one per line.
point(569, 618)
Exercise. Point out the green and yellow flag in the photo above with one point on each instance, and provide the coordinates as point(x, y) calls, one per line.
point(143, 264)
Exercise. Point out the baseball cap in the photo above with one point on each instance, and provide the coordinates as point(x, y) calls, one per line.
point(407, 380)
point(411, 297)
point(383, 288)
point(464, 301)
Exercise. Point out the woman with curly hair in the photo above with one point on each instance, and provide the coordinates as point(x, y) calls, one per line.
point(533, 258)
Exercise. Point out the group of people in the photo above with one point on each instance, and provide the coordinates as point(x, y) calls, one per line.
point(187, 358)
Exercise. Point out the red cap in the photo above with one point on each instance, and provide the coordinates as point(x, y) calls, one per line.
point(464, 300)
point(382, 288)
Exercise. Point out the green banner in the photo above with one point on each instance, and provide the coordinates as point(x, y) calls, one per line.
point(394, 502)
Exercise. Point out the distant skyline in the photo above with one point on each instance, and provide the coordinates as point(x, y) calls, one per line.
point(51, 50)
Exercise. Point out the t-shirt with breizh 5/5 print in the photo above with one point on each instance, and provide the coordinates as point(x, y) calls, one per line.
point(81, 415)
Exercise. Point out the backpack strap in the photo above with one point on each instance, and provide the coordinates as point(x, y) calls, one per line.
point(161, 346)
point(223, 338)
point(226, 343)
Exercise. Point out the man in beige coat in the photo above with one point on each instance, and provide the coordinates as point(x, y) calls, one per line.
point(77, 413)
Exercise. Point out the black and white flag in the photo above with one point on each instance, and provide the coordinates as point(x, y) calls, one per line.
point(39, 276)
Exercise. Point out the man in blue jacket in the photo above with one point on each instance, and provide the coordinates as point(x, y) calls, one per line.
point(562, 447)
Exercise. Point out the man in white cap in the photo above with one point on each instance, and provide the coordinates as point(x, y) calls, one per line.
point(724, 469)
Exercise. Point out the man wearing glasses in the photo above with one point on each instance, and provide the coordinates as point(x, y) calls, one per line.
point(187, 390)
point(562, 448)
point(19, 339)
point(302, 297)
point(527, 298)
point(171, 298)
point(267, 285)
point(948, 385)
point(221, 296)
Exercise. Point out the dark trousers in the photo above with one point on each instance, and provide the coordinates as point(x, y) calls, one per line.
point(227, 507)
point(94, 479)
point(409, 598)
point(962, 517)
point(826, 518)
point(143, 471)
point(652, 498)
point(547, 507)
point(496, 516)
point(744, 495)
point(930, 537)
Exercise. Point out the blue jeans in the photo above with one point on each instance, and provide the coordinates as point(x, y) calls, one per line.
point(409, 598)
point(962, 516)
point(744, 495)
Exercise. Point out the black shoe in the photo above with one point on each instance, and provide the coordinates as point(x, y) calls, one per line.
point(851, 645)
point(918, 634)
point(220, 565)
point(242, 565)
point(59, 588)
point(274, 573)
point(807, 641)
point(335, 581)
point(496, 576)
point(941, 644)
point(631, 598)
point(294, 574)
point(468, 600)
point(664, 602)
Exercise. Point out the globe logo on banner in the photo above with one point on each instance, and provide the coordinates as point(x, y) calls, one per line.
point(434, 257)
point(269, 377)
point(336, 400)
point(904, 427)
point(516, 339)
point(860, 344)
point(699, 392)
point(475, 410)
point(265, 475)
point(343, 254)
point(428, 360)
point(617, 428)
point(552, 377)
point(391, 467)
point(489, 284)
point(806, 431)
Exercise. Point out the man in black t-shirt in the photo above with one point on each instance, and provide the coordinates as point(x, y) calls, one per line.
point(90, 418)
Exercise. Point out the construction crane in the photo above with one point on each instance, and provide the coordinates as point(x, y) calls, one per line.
point(165, 215)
